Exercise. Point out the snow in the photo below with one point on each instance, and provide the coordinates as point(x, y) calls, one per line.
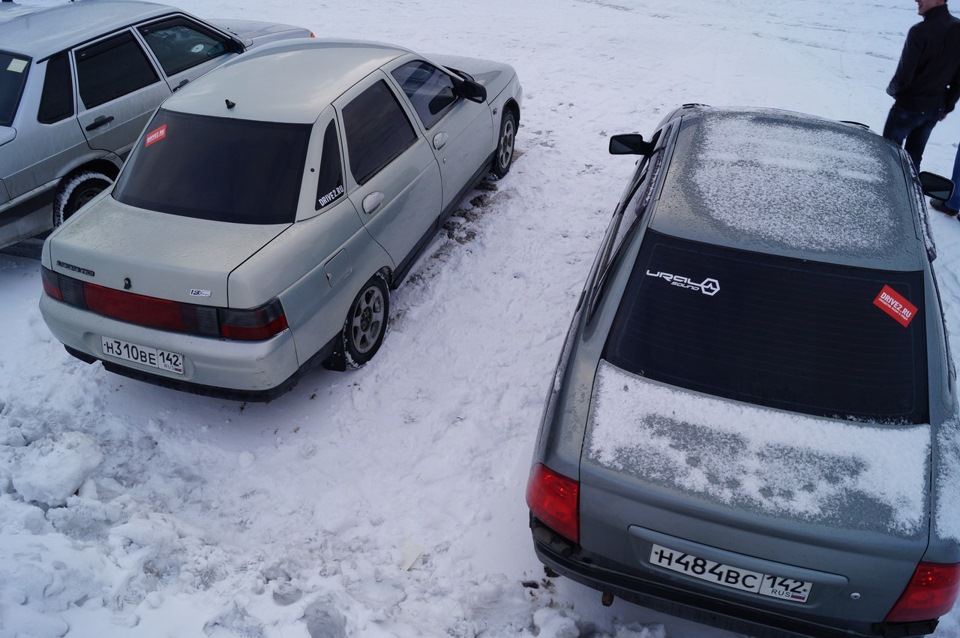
point(388, 501)
point(779, 462)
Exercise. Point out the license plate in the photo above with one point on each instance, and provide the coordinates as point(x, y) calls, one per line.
point(732, 577)
point(162, 359)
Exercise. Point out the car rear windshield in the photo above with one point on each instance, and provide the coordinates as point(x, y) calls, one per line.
point(805, 336)
point(228, 170)
point(13, 75)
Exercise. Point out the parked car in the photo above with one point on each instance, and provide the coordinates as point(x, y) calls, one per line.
point(77, 84)
point(269, 208)
point(753, 421)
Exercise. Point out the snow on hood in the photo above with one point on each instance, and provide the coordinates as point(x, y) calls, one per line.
point(782, 463)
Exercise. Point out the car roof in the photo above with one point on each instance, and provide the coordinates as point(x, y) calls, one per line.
point(42, 33)
point(791, 184)
point(291, 81)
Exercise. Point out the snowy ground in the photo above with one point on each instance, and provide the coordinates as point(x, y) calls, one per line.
point(389, 501)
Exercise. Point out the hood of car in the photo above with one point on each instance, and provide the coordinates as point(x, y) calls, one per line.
point(155, 254)
point(254, 33)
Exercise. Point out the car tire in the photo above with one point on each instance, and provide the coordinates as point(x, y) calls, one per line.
point(75, 192)
point(366, 323)
point(503, 158)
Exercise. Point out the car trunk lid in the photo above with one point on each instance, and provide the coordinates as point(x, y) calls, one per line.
point(838, 504)
point(156, 254)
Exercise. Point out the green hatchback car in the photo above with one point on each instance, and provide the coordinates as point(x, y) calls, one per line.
point(269, 208)
point(754, 419)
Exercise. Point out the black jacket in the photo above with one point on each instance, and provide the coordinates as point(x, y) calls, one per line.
point(928, 76)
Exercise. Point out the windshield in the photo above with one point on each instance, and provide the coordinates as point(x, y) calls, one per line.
point(13, 75)
point(810, 337)
point(221, 169)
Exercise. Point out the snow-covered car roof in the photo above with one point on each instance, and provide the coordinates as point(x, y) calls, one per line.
point(790, 184)
point(43, 33)
point(314, 73)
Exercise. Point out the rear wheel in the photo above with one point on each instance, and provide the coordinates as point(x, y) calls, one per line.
point(366, 322)
point(508, 136)
point(75, 192)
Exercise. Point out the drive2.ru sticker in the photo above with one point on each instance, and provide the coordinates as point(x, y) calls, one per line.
point(895, 305)
point(156, 135)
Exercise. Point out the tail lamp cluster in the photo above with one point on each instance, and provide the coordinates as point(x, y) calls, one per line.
point(255, 324)
point(554, 500)
point(931, 593)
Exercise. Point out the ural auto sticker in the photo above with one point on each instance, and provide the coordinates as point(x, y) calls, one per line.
point(709, 286)
point(196, 292)
point(895, 305)
point(329, 197)
point(156, 135)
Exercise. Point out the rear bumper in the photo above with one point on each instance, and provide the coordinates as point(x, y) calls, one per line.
point(255, 371)
point(567, 560)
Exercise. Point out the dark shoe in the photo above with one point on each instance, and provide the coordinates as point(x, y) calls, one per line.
point(940, 205)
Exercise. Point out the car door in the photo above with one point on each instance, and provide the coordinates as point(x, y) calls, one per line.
point(185, 48)
point(460, 131)
point(119, 88)
point(396, 180)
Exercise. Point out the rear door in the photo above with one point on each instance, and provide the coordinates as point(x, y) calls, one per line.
point(396, 179)
point(119, 87)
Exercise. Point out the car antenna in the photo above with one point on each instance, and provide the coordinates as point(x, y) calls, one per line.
point(230, 104)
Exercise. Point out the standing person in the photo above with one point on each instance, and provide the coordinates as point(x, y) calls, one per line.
point(927, 82)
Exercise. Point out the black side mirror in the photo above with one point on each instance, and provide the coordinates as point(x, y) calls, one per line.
point(630, 144)
point(936, 186)
point(471, 90)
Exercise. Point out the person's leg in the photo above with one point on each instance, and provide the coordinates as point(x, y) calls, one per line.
point(899, 123)
point(917, 138)
point(954, 202)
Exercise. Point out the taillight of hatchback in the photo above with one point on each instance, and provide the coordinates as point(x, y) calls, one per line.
point(554, 500)
point(931, 593)
point(253, 324)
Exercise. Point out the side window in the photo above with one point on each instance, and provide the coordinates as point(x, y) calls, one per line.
point(56, 102)
point(113, 68)
point(330, 181)
point(13, 77)
point(430, 90)
point(180, 43)
point(377, 131)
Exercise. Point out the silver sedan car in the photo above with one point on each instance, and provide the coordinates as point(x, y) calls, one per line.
point(754, 419)
point(77, 84)
point(269, 208)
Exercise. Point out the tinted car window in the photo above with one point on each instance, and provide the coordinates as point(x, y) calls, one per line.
point(216, 168)
point(180, 44)
point(377, 131)
point(56, 102)
point(13, 75)
point(430, 90)
point(112, 68)
point(330, 180)
point(773, 331)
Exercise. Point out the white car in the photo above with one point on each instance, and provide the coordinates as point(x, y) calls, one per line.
point(269, 208)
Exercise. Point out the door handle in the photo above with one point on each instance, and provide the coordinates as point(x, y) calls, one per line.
point(372, 202)
point(103, 120)
point(439, 140)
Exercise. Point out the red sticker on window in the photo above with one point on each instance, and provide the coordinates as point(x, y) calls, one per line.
point(895, 305)
point(156, 135)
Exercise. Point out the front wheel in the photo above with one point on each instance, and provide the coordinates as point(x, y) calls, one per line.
point(508, 136)
point(366, 323)
point(75, 192)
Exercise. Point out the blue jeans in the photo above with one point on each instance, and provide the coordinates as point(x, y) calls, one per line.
point(954, 202)
point(914, 126)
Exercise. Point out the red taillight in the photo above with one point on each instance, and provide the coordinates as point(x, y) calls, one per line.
point(931, 593)
point(554, 500)
point(253, 325)
point(51, 283)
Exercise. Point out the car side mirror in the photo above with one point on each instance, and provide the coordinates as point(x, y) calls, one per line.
point(471, 90)
point(630, 144)
point(936, 186)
